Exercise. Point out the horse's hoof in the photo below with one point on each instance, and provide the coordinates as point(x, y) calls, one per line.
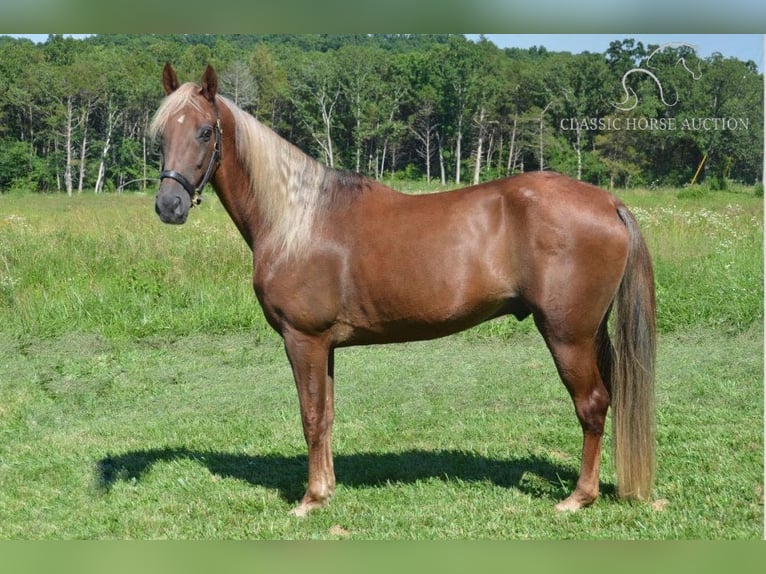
point(571, 504)
point(303, 509)
point(568, 506)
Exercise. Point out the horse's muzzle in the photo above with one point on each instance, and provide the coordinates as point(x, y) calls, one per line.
point(172, 206)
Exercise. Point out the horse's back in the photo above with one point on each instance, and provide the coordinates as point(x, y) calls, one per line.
point(538, 211)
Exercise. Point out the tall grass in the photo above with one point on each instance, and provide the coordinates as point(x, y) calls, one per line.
point(708, 258)
point(106, 265)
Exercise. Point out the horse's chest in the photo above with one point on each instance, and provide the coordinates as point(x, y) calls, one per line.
point(303, 295)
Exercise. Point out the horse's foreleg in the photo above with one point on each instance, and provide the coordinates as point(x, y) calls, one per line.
point(312, 364)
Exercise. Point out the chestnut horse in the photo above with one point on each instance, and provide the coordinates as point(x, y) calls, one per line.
point(340, 260)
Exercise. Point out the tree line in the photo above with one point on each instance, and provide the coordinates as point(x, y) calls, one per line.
point(74, 112)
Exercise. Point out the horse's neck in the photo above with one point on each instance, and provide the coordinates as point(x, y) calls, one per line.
point(232, 199)
point(270, 188)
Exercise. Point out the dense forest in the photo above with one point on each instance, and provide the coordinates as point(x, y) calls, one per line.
point(74, 112)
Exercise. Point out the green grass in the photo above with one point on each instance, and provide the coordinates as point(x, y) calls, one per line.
point(145, 397)
point(199, 437)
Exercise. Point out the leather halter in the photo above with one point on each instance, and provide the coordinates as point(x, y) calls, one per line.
point(195, 192)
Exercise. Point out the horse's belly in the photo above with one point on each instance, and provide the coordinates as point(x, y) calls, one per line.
point(428, 302)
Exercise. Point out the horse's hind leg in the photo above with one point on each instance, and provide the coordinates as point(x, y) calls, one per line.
point(578, 362)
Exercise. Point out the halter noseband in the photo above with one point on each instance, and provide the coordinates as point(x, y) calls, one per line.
point(196, 192)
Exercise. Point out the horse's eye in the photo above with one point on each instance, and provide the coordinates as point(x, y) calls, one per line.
point(206, 134)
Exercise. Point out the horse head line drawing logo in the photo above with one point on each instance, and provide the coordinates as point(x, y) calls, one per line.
point(630, 94)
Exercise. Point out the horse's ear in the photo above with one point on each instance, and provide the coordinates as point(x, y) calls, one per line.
point(209, 83)
point(169, 79)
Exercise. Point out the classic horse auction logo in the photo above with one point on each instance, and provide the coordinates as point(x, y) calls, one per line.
point(681, 120)
point(631, 98)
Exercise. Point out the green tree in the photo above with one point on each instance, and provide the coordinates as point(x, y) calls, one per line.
point(315, 94)
point(731, 92)
point(361, 75)
point(73, 113)
point(272, 87)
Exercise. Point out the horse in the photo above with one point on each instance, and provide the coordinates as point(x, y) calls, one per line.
point(340, 259)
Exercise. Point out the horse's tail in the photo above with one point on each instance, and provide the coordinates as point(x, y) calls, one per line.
point(632, 372)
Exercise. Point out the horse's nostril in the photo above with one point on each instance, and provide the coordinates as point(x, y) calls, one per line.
point(170, 207)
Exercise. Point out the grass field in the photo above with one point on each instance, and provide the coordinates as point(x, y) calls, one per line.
point(144, 397)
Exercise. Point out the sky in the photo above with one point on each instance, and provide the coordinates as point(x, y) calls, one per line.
point(741, 46)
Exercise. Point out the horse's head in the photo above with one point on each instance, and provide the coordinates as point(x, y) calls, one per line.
point(191, 143)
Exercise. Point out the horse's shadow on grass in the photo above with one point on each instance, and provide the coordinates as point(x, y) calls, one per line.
point(535, 476)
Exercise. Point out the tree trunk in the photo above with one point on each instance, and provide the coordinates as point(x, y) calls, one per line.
point(391, 115)
point(358, 144)
point(458, 146)
point(144, 149)
point(84, 146)
point(382, 169)
point(424, 129)
point(442, 171)
point(479, 147)
point(327, 105)
point(511, 159)
point(578, 151)
point(428, 153)
point(328, 140)
point(68, 128)
point(490, 150)
point(111, 119)
point(57, 166)
point(542, 131)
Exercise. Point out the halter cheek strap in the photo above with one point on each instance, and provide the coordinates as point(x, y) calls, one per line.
point(196, 192)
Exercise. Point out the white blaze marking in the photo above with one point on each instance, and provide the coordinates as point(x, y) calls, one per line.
point(181, 119)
